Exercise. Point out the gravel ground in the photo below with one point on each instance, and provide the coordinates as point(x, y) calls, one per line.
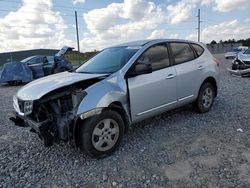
point(176, 149)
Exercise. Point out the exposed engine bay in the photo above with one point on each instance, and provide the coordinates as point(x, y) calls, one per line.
point(54, 115)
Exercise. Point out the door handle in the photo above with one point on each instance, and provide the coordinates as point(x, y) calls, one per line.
point(201, 67)
point(170, 76)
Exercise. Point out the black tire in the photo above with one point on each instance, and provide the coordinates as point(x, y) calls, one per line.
point(86, 136)
point(15, 82)
point(202, 106)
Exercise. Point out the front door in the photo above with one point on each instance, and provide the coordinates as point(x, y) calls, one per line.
point(48, 65)
point(155, 92)
point(36, 65)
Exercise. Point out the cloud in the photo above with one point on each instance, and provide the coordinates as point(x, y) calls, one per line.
point(137, 9)
point(174, 36)
point(247, 20)
point(183, 10)
point(156, 34)
point(228, 5)
point(120, 22)
point(230, 29)
point(78, 1)
point(33, 25)
point(180, 12)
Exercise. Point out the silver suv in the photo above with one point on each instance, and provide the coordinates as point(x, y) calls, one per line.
point(94, 104)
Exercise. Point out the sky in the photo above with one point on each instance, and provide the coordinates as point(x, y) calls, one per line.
point(50, 24)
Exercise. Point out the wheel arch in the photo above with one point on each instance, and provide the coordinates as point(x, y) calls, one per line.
point(116, 106)
point(212, 80)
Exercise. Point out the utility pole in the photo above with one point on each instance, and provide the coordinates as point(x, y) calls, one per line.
point(11, 58)
point(77, 34)
point(199, 25)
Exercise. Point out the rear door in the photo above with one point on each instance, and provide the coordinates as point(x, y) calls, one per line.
point(189, 70)
point(155, 92)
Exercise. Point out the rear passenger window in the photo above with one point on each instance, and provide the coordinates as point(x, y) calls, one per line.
point(182, 52)
point(199, 50)
point(157, 56)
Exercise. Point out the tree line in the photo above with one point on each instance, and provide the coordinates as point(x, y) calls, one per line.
point(245, 42)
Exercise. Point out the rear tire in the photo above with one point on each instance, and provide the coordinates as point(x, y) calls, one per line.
point(205, 99)
point(100, 135)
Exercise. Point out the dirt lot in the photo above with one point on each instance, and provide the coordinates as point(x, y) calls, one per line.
point(177, 149)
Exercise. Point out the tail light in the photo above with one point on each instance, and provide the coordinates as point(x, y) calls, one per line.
point(216, 61)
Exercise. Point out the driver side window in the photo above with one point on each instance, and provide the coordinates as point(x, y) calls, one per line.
point(157, 56)
point(31, 61)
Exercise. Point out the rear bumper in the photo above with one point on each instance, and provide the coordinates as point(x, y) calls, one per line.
point(238, 72)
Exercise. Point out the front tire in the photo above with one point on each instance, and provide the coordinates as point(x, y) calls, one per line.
point(205, 98)
point(100, 135)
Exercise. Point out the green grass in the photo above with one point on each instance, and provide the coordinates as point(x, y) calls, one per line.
point(75, 57)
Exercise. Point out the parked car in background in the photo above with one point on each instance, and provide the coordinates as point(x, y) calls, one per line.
point(241, 64)
point(34, 67)
point(233, 54)
point(121, 85)
point(40, 65)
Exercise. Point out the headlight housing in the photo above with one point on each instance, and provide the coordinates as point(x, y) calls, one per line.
point(22, 107)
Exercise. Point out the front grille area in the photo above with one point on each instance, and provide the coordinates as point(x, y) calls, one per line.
point(21, 105)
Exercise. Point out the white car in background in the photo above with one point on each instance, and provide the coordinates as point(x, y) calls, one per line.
point(235, 51)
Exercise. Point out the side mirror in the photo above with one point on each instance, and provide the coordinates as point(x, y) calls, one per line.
point(140, 68)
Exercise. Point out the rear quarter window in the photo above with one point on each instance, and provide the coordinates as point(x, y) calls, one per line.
point(199, 50)
point(182, 52)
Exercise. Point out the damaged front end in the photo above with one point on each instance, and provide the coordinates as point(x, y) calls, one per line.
point(54, 115)
point(240, 66)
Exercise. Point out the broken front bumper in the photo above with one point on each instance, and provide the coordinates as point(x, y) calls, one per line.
point(244, 72)
point(42, 129)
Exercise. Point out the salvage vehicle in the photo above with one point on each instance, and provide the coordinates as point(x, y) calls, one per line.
point(24, 71)
point(235, 52)
point(96, 103)
point(241, 64)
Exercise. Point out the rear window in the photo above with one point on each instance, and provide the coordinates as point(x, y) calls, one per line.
point(199, 50)
point(182, 52)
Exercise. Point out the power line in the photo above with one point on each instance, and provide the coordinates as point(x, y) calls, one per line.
point(35, 26)
point(37, 12)
point(71, 15)
point(58, 6)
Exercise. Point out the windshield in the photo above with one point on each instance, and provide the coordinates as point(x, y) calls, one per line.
point(236, 50)
point(247, 51)
point(108, 61)
point(27, 59)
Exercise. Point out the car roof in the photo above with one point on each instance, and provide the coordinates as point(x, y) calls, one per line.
point(144, 42)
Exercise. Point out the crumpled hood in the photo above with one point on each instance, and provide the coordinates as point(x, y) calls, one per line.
point(38, 88)
point(243, 57)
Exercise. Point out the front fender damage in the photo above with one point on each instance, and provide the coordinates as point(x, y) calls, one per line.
point(109, 93)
